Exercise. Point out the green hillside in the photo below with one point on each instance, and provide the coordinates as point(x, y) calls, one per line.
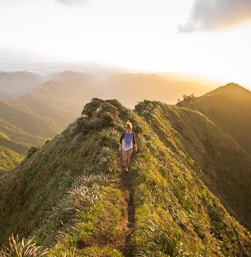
point(228, 106)
point(8, 158)
point(224, 165)
point(14, 144)
point(11, 152)
point(17, 147)
point(72, 197)
point(21, 128)
point(42, 112)
point(26, 119)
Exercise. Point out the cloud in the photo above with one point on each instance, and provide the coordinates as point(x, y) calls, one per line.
point(72, 2)
point(214, 15)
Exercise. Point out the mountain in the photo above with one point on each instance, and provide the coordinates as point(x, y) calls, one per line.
point(61, 99)
point(228, 106)
point(224, 166)
point(21, 128)
point(131, 88)
point(42, 113)
point(24, 118)
point(47, 109)
point(72, 197)
point(14, 84)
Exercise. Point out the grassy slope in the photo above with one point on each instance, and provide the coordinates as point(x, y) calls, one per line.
point(8, 158)
point(42, 113)
point(22, 128)
point(14, 145)
point(225, 166)
point(20, 116)
point(230, 107)
point(72, 186)
point(19, 135)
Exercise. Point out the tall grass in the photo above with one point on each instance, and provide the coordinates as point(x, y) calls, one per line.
point(22, 248)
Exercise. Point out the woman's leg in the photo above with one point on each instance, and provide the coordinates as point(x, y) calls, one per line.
point(128, 158)
point(124, 158)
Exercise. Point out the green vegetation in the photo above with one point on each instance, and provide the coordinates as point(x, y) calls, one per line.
point(222, 146)
point(22, 248)
point(9, 159)
point(72, 199)
point(19, 130)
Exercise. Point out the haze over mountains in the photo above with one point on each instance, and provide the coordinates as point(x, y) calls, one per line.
point(37, 106)
point(187, 193)
point(14, 84)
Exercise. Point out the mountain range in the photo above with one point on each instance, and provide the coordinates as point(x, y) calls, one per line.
point(187, 192)
point(37, 107)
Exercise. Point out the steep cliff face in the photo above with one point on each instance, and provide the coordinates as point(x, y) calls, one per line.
point(73, 197)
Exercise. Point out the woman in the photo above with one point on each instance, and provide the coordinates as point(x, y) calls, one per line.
point(127, 144)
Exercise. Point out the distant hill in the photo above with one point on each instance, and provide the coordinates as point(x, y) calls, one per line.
point(8, 158)
point(24, 118)
point(43, 112)
point(131, 88)
point(176, 200)
point(228, 106)
point(14, 84)
point(21, 128)
point(62, 98)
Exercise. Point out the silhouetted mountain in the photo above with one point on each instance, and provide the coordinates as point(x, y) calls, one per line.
point(72, 196)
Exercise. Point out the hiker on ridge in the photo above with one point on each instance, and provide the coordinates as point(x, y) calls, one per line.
point(127, 144)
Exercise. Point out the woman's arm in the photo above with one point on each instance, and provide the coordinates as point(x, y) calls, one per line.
point(135, 147)
point(120, 141)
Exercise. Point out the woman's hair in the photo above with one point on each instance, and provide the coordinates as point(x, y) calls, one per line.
point(128, 124)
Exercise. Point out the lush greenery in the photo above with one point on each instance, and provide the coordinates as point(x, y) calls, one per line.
point(20, 128)
point(70, 195)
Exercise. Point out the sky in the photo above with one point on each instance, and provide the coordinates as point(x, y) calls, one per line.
point(206, 37)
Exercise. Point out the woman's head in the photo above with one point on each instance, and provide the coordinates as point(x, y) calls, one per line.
point(128, 126)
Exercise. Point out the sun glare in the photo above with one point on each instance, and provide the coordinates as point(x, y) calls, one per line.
point(140, 35)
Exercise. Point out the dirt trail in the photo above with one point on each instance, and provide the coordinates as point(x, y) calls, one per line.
point(126, 187)
point(120, 239)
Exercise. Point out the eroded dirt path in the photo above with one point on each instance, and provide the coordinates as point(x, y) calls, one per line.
point(126, 187)
point(117, 223)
